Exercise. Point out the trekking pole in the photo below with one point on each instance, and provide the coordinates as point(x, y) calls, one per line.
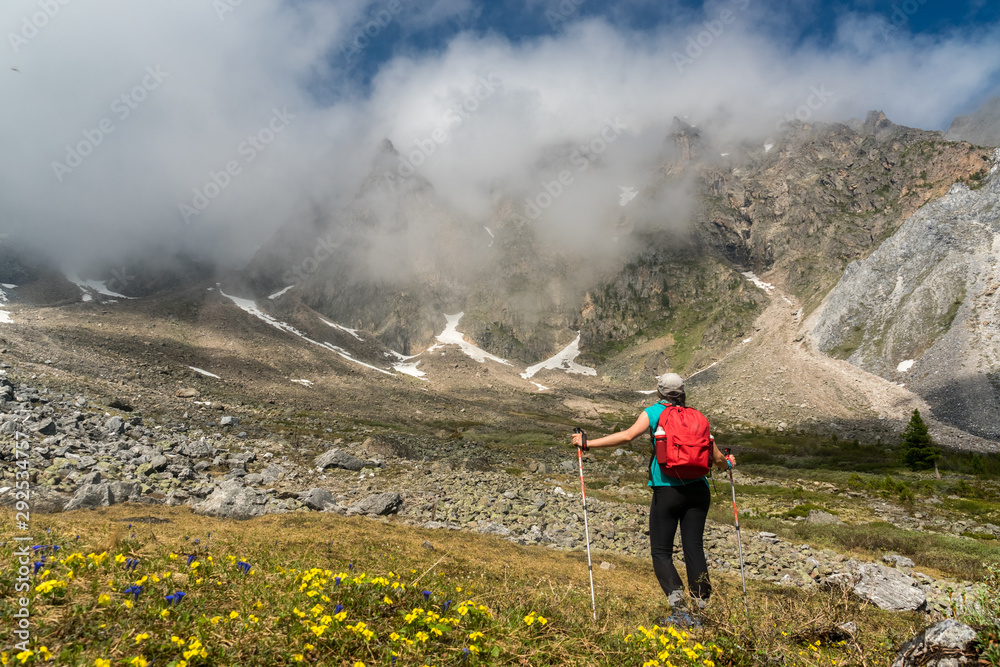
point(739, 541)
point(586, 527)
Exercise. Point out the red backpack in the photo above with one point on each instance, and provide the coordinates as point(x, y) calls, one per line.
point(682, 444)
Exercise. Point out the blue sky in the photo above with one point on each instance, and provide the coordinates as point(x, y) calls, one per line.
point(794, 23)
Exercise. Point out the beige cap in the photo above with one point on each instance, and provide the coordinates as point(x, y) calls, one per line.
point(669, 383)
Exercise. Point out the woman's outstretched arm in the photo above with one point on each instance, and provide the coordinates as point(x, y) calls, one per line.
point(640, 426)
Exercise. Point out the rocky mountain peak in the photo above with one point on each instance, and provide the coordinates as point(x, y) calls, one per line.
point(981, 128)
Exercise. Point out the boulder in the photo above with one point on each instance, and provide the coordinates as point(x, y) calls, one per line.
point(229, 421)
point(273, 473)
point(338, 458)
point(187, 392)
point(887, 588)
point(897, 560)
point(115, 425)
point(379, 504)
point(198, 449)
point(105, 494)
point(232, 500)
point(945, 644)
point(822, 518)
point(317, 499)
point(493, 528)
point(43, 500)
point(46, 427)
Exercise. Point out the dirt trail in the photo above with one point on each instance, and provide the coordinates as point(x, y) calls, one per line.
point(779, 379)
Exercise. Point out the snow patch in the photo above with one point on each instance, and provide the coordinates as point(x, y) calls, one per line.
point(905, 365)
point(410, 369)
point(452, 336)
point(492, 236)
point(768, 147)
point(251, 307)
point(279, 293)
point(747, 340)
point(723, 154)
point(564, 360)
point(702, 370)
point(4, 315)
point(626, 195)
point(204, 372)
point(99, 286)
point(304, 383)
point(353, 332)
point(752, 277)
point(541, 387)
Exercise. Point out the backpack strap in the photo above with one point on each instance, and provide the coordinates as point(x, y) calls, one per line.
point(652, 438)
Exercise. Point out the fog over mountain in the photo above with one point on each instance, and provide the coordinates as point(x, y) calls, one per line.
point(206, 127)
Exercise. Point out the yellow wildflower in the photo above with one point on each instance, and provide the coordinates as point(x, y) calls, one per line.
point(141, 636)
point(101, 662)
point(234, 615)
point(138, 661)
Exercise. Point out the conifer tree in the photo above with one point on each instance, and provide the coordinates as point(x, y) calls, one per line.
point(919, 451)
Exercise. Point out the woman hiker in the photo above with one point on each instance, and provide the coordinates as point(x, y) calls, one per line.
point(675, 501)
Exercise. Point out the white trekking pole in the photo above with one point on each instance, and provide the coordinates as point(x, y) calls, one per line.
point(739, 541)
point(586, 527)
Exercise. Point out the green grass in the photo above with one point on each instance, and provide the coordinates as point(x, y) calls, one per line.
point(471, 600)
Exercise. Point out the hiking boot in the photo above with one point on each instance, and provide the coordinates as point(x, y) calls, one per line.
point(676, 600)
point(679, 618)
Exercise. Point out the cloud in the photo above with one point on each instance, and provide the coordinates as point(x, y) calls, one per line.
point(495, 111)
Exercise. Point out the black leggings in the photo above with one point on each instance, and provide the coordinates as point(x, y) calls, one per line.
point(687, 505)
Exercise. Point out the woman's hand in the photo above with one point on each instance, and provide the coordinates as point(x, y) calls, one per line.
point(578, 439)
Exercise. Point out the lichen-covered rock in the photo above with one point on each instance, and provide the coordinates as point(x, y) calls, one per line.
point(233, 500)
point(887, 588)
point(105, 494)
point(317, 499)
point(338, 458)
point(379, 504)
point(945, 644)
